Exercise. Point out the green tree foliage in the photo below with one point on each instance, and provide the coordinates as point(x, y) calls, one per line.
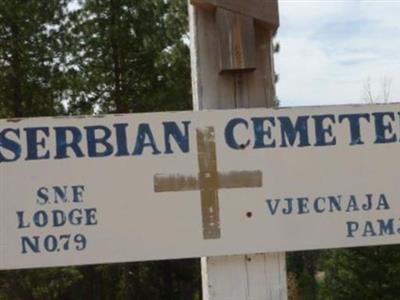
point(31, 57)
point(52, 283)
point(101, 56)
point(130, 56)
point(304, 266)
point(362, 273)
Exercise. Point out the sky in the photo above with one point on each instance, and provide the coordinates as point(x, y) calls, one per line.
point(331, 49)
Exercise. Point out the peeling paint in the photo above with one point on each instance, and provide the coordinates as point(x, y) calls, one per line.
point(208, 182)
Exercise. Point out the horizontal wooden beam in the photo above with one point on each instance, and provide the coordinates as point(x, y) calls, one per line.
point(264, 11)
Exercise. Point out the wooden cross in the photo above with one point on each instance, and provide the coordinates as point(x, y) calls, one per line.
point(235, 22)
point(208, 182)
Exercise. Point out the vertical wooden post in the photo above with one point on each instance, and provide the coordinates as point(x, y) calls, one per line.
point(232, 67)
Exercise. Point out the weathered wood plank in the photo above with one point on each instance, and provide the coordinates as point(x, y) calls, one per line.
point(209, 90)
point(212, 91)
point(236, 41)
point(265, 11)
point(245, 277)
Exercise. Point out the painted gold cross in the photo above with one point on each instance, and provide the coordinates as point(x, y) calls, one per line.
point(208, 182)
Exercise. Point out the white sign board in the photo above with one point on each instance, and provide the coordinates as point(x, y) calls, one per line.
point(176, 185)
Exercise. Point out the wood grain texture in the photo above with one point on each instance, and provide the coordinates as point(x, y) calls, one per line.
point(212, 91)
point(265, 11)
point(245, 277)
point(236, 41)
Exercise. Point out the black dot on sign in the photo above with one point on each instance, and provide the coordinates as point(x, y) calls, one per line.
point(249, 214)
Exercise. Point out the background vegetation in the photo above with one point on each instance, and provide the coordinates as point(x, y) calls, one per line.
point(63, 57)
point(67, 57)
